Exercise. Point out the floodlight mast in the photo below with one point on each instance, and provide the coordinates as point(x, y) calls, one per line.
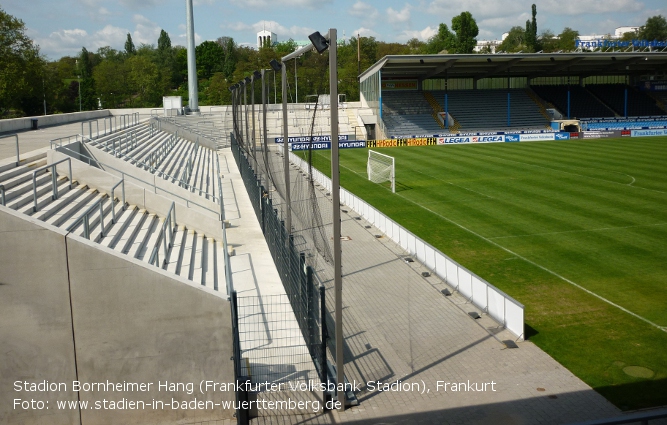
point(193, 95)
point(331, 39)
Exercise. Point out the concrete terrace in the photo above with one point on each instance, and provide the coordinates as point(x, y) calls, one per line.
point(398, 327)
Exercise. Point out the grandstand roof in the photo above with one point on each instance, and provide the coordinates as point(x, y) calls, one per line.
point(530, 65)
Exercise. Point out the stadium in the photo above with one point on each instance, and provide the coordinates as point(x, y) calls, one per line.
point(490, 223)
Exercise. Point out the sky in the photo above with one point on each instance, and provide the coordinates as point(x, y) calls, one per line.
point(63, 27)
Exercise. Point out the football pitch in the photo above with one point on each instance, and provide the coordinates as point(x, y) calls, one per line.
point(575, 230)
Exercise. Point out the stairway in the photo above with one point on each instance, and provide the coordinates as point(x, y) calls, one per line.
point(134, 231)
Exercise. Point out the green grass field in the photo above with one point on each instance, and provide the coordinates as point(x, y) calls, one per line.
point(546, 222)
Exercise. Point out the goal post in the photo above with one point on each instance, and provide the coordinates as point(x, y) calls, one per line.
point(381, 168)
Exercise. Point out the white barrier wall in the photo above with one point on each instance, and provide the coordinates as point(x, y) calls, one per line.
point(500, 306)
point(16, 124)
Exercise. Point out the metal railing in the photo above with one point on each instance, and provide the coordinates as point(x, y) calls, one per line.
point(54, 178)
point(85, 217)
point(155, 187)
point(3, 198)
point(168, 225)
point(90, 128)
point(130, 140)
point(228, 265)
point(113, 210)
point(16, 136)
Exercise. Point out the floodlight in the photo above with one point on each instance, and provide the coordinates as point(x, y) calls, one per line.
point(257, 75)
point(319, 42)
point(232, 88)
point(552, 59)
point(421, 61)
point(248, 80)
point(275, 65)
point(488, 60)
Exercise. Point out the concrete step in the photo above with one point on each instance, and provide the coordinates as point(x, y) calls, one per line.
point(25, 202)
point(23, 184)
point(123, 220)
point(81, 207)
point(14, 171)
point(131, 234)
point(61, 207)
point(176, 252)
point(147, 249)
point(188, 255)
point(139, 246)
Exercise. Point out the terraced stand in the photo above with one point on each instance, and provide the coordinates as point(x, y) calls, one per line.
point(33, 189)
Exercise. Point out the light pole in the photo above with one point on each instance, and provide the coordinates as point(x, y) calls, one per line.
point(78, 77)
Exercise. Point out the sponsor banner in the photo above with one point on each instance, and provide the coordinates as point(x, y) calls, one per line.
point(395, 143)
point(306, 139)
point(307, 146)
point(470, 139)
point(561, 136)
point(649, 133)
point(512, 138)
point(395, 85)
point(352, 144)
point(607, 134)
point(536, 137)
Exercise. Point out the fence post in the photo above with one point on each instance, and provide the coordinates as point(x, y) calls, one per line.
point(325, 337)
point(312, 316)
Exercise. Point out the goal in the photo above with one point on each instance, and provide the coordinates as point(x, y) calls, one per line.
point(381, 168)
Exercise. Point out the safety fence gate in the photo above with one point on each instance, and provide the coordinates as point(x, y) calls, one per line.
point(280, 340)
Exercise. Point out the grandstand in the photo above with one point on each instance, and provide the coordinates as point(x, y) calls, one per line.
point(573, 101)
point(576, 85)
point(488, 109)
point(639, 104)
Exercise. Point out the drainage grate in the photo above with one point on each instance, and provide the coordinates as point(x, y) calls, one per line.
point(510, 344)
point(475, 315)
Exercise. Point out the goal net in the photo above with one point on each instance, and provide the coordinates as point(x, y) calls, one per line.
point(381, 168)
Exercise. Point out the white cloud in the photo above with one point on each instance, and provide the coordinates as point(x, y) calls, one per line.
point(70, 41)
point(363, 10)
point(279, 4)
point(182, 40)
point(574, 7)
point(399, 17)
point(422, 35)
point(366, 32)
point(146, 31)
point(283, 32)
point(136, 4)
point(478, 8)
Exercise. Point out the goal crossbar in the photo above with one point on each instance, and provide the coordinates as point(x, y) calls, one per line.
point(381, 168)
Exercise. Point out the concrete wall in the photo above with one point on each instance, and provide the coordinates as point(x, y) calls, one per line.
point(188, 135)
point(17, 124)
point(193, 217)
point(36, 341)
point(66, 299)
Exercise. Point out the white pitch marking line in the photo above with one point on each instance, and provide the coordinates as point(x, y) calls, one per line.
point(470, 190)
point(662, 328)
point(576, 231)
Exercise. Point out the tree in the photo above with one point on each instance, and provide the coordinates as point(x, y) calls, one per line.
point(443, 41)
point(210, 58)
point(655, 28)
point(229, 50)
point(567, 40)
point(88, 95)
point(548, 41)
point(515, 40)
point(129, 46)
point(465, 27)
point(415, 46)
point(21, 68)
point(532, 42)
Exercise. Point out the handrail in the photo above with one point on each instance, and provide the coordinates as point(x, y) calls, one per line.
point(54, 178)
point(90, 128)
point(16, 136)
point(113, 210)
point(155, 255)
point(3, 199)
point(86, 219)
point(188, 202)
point(58, 142)
point(228, 264)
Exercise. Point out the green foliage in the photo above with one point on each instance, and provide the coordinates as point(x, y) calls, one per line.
point(515, 41)
point(129, 46)
point(210, 57)
point(655, 28)
point(532, 42)
point(465, 27)
point(88, 92)
point(21, 68)
point(567, 39)
point(443, 42)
